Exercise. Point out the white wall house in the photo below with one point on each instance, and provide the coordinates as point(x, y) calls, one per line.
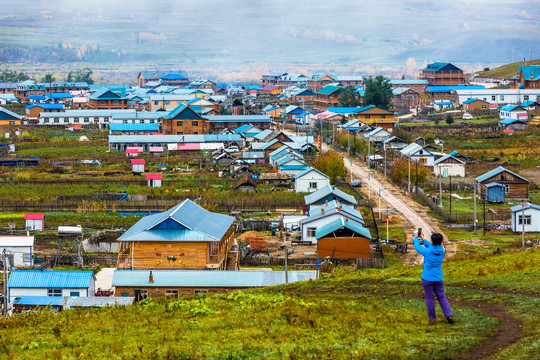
point(19, 250)
point(417, 153)
point(531, 217)
point(514, 112)
point(449, 166)
point(80, 117)
point(50, 283)
point(310, 180)
point(499, 96)
point(34, 222)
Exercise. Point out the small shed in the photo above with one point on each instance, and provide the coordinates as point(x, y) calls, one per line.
point(156, 150)
point(343, 239)
point(134, 151)
point(137, 166)
point(19, 250)
point(34, 222)
point(154, 180)
point(310, 180)
point(526, 217)
point(515, 187)
point(25, 303)
point(495, 192)
point(247, 185)
point(449, 165)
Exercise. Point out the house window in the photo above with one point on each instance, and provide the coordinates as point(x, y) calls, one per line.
point(115, 102)
point(166, 102)
point(152, 121)
point(502, 97)
point(493, 98)
point(195, 133)
point(102, 102)
point(12, 122)
point(76, 120)
point(368, 116)
point(97, 119)
point(66, 120)
point(506, 189)
point(54, 292)
point(156, 102)
point(313, 185)
point(194, 123)
point(383, 116)
point(141, 295)
point(527, 219)
point(46, 121)
point(27, 257)
point(86, 120)
point(179, 123)
point(484, 106)
point(56, 120)
point(74, 293)
point(171, 294)
point(179, 133)
point(525, 97)
point(311, 232)
point(124, 121)
point(201, 291)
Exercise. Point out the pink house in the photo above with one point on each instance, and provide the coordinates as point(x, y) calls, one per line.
point(154, 180)
point(137, 165)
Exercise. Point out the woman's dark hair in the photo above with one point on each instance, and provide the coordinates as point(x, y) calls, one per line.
point(436, 239)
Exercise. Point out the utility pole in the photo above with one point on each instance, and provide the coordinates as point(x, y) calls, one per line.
point(384, 144)
point(416, 178)
point(387, 221)
point(440, 187)
point(474, 208)
point(4, 260)
point(450, 179)
point(348, 143)
point(286, 267)
point(484, 216)
point(409, 185)
point(523, 225)
point(368, 151)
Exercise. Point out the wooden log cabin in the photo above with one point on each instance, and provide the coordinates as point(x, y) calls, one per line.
point(186, 237)
point(515, 186)
point(343, 239)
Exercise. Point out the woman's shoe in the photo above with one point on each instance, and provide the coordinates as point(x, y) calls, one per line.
point(450, 319)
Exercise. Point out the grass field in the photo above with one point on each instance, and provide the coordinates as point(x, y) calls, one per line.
point(507, 70)
point(371, 314)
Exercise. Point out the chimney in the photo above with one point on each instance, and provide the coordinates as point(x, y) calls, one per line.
point(346, 219)
point(326, 202)
point(151, 278)
point(322, 211)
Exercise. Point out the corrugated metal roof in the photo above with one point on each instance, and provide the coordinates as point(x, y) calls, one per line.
point(497, 171)
point(409, 82)
point(39, 300)
point(133, 127)
point(293, 167)
point(446, 157)
point(186, 221)
point(340, 224)
point(98, 301)
point(263, 134)
point(327, 190)
point(50, 279)
point(511, 121)
point(307, 171)
point(238, 118)
point(15, 241)
point(173, 139)
point(87, 113)
point(46, 106)
point(204, 278)
point(528, 206)
point(329, 89)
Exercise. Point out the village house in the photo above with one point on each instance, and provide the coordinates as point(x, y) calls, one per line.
point(137, 166)
point(375, 116)
point(32, 88)
point(496, 96)
point(168, 102)
point(291, 166)
point(441, 73)
point(528, 77)
point(218, 122)
point(526, 218)
point(402, 93)
point(327, 97)
point(302, 95)
point(511, 125)
point(317, 82)
point(172, 78)
point(34, 222)
point(329, 193)
point(246, 185)
point(59, 283)
point(395, 143)
point(102, 118)
point(183, 121)
point(173, 284)
point(449, 166)
point(202, 84)
point(19, 250)
point(154, 180)
point(107, 99)
point(184, 143)
point(414, 152)
point(8, 88)
point(343, 239)
point(185, 237)
point(201, 103)
point(416, 85)
point(9, 118)
point(310, 180)
point(476, 106)
point(514, 112)
point(515, 186)
point(271, 90)
point(33, 111)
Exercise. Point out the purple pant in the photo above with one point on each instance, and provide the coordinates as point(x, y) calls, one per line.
point(436, 287)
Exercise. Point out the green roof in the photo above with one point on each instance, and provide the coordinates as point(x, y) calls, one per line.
point(329, 90)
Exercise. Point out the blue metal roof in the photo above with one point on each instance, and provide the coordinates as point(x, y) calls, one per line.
point(39, 300)
point(340, 224)
point(293, 167)
point(105, 94)
point(263, 134)
point(327, 190)
point(528, 103)
point(133, 127)
point(469, 101)
point(186, 221)
point(10, 113)
point(205, 278)
point(342, 110)
point(497, 171)
point(530, 72)
point(238, 118)
point(446, 157)
point(449, 88)
point(528, 206)
point(493, 184)
point(443, 103)
point(409, 82)
point(511, 121)
point(173, 139)
point(50, 279)
point(509, 107)
point(46, 106)
point(334, 205)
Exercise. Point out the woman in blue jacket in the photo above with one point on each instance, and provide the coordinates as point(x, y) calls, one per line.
point(432, 275)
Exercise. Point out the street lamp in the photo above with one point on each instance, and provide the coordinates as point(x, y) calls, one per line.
point(369, 187)
point(351, 167)
point(387, 221)
point(379, 194)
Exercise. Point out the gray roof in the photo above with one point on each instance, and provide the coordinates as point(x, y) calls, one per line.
point(186, 221)
point(528, 206)
point(497, 171)
point(173, 139)
point(327, 190)
point(98, 301)
point(238, 118)
point(446, 157)
point(205, 278)
point(88, 113)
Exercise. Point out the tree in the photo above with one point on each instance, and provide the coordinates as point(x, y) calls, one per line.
point(378, 92)
point(348, 97)
point(400, 171)
point(13, 76)
point(331, 164)
point(449, 119)
point(81, 75)
point(48, 78)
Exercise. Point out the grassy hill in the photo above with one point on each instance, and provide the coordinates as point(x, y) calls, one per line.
point(368, 314)
point(508, 70)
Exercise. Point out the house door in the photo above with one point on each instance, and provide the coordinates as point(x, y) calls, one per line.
point(445, 172)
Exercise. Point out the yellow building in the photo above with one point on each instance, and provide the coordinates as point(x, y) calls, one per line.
point(168, 102)
point(375, 116)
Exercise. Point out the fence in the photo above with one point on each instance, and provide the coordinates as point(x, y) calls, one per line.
point(469, 217)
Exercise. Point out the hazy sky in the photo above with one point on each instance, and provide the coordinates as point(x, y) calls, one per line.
point(226, 34)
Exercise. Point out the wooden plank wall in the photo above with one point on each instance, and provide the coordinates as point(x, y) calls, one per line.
point(151, 255)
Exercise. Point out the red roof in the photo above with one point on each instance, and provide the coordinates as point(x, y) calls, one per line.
point(154, 176)
point(189, 146)
point(137, 161)
point(156, 149)
point(34, 216)
point(134, 150)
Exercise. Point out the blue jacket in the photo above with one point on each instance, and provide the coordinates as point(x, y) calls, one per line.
point(433, 258)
